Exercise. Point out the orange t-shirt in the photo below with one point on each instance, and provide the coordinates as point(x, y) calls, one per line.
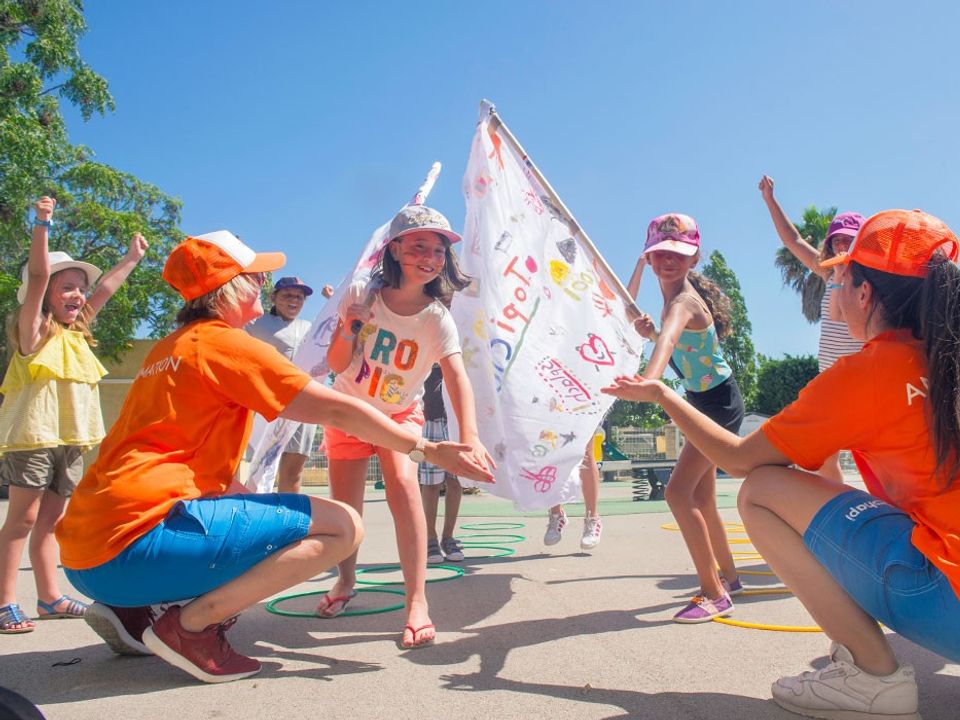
point(873, 403)
point(180, 436)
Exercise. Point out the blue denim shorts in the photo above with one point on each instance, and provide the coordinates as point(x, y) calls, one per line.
point(199, 546)
point(865, 544)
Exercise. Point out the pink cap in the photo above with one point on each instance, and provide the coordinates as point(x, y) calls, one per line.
point(673, 232)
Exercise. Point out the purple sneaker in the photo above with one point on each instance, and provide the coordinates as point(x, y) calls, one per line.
point(702, 609)
point(733, 589)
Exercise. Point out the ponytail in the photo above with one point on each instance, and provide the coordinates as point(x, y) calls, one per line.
point(930, 308)
point(940, 331)
point(717, 303)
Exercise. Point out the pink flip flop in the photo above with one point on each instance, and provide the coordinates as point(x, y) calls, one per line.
point(323, 609)
point(414, 633)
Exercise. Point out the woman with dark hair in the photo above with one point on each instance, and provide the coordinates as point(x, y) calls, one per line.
point(856, 559)
point(160, 519)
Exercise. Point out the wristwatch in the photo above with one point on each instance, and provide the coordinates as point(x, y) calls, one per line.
point(417, 454)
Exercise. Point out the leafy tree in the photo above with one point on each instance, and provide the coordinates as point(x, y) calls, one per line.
point(98, 208)
point(795, 274)
point(780, 381)
point(738, 345)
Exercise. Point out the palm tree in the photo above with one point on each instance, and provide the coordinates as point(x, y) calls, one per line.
point(795, 274)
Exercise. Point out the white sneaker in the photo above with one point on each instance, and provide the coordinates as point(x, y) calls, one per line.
point(592, 528)
point(555, 526)
point(842, 691)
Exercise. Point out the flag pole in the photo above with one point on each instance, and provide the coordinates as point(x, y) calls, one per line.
point(487, 107)
point(424, 190)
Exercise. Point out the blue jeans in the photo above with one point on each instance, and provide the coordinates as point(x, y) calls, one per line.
point(865, 544)
point(199, 546)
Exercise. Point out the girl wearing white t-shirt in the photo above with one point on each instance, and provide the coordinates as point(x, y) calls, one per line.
point(382, 351)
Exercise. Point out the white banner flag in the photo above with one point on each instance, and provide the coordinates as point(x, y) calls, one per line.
point(269, 439)
point(543, 326)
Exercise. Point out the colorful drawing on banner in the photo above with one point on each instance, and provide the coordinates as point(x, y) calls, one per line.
point(570, 395)
point(567, 438)
point(549, 436)
point(568, 248)
point(504, 243)
point(469, 351)
point(543, 479)
point(622, 340)
point(518, 218)
point(595, 351)
point(539, 451)
point(497, 141)
point(602, 305)
point(533, 201)
point(559, 272)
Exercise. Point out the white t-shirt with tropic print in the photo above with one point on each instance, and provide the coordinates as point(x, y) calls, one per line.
point(395, 353)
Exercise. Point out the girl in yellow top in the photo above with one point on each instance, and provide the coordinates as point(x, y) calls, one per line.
point(51, 411)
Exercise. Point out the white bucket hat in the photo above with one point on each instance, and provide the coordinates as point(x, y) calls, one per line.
point(59, 261)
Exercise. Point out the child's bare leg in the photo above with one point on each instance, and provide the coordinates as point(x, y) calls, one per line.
point(451, 505)
point(403, 498)
point(44, 550)
point(430, 498)
point(347, 485)
point(831, 468)
point(687, 475)
point(22, 509)
point(590, 482)
point(705, 497)
point(288, 474)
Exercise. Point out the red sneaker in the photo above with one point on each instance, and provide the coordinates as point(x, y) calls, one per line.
point(121, 628)
point(206, 654)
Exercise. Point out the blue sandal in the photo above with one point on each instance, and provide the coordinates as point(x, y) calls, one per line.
point(10, 616)
point(48, 611)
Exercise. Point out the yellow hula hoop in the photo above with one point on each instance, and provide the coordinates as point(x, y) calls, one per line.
point(766, 626)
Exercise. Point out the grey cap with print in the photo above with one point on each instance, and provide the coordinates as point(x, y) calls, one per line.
point(416, 218)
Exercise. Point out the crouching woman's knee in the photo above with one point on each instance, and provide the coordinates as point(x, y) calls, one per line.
point(755, 485)
point(338, 521)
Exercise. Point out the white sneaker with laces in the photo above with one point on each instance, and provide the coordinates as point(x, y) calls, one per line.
point(555, 526)
point(592, 528)
point(842, 691)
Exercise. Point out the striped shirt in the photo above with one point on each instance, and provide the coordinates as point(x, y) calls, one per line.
point(835, 340)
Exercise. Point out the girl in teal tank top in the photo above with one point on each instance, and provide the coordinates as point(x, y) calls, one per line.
point(696, 315)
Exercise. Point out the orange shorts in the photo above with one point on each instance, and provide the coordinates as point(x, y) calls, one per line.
point(341, 446)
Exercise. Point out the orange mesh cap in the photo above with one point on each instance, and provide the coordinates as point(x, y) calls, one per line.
point(900, 242)
point(203, 263)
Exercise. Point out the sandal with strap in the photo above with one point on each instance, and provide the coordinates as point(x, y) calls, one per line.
point(48, 611)
point(13, 621)
point(414, 636)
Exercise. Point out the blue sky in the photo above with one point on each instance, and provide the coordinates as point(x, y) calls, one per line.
point(302, 126)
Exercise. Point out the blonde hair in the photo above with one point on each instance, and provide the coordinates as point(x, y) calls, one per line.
point(211, 305)
point(51, 326)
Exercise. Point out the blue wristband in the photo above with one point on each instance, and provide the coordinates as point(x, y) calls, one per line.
point(43, 223)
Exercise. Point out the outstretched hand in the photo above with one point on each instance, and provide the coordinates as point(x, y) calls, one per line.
point(44, 207)
point(636, 388)
point(462, 460)
point(138, 247)
point(766, 188)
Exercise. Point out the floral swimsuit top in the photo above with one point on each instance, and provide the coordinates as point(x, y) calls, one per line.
point(697, 355)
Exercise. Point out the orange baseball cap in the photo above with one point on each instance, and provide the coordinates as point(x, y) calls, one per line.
point(900, 242)
point(203, 263)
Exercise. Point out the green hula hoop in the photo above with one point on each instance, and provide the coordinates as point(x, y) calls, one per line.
point(493, 526)
point(272, 606)
point(457, 572)
point(511, 538)
point(504, 550)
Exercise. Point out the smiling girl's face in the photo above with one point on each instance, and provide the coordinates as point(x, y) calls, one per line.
point(66, 295)
point(421, 256)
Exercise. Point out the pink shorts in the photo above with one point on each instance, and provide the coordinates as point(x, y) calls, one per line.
point(341, 446)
